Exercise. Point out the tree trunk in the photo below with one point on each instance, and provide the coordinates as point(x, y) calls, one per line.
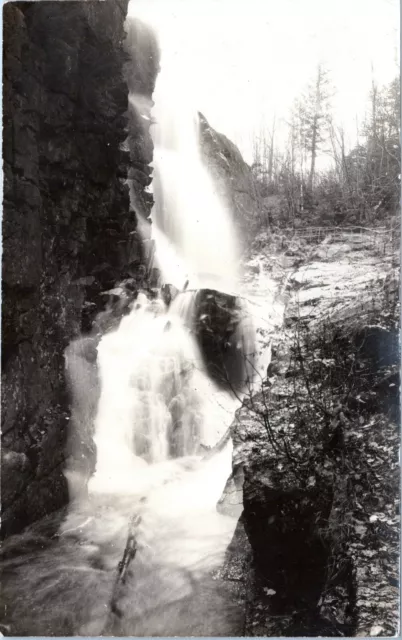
point(313, 154)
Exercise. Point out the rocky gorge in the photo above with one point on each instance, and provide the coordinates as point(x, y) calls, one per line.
point(77, 154)
point(314, 482)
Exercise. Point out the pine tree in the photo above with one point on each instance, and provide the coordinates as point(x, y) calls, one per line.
point(317, 112)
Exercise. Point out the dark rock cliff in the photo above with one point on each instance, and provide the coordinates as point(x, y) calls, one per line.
point(68, 232)
point(232, 176)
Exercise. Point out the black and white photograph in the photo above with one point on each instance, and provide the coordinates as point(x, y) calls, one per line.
point(200, 347)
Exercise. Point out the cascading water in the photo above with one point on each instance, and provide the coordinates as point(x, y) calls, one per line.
point(188, 213)
point(157, 415)
point(187, 208)
point(154, 397)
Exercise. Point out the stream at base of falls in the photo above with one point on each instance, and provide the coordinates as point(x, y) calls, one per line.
point(67, 585)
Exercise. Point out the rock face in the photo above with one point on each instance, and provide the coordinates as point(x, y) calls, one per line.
point(316, 452)
point(232, 176)
point(68, 233)
point(141, 70)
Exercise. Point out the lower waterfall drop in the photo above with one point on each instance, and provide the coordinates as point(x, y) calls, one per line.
point(156, 401)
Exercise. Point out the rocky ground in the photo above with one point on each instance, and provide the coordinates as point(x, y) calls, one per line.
point(316, 449)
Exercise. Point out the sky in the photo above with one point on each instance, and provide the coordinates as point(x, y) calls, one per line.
point(242, 62)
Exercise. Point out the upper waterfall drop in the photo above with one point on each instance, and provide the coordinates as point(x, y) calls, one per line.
point(188, 210)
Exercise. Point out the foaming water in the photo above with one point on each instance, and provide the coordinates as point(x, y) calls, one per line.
point(67, 586)
point(158, 415)
point(156, 402)
point(172, 265)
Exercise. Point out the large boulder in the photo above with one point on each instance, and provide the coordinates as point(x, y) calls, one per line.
point(226, 337)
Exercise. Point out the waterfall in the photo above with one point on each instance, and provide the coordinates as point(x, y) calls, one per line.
point(153, 396)
point(157, 400)
point(189, 215)
point(149, 425)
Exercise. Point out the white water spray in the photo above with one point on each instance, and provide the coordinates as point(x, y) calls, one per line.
point(156, 401)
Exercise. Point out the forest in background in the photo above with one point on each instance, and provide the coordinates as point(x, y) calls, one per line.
point(360, 186)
